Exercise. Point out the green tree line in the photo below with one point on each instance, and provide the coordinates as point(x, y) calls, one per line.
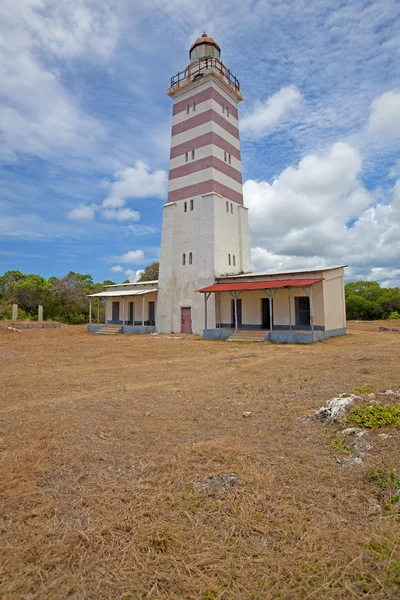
point(65, 299)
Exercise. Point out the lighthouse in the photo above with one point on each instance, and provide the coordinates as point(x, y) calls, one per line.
point(205, 231)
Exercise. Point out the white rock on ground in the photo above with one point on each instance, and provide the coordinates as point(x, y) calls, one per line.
point(335, 408)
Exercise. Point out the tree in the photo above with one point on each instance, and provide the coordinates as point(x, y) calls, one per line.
point(150, 273)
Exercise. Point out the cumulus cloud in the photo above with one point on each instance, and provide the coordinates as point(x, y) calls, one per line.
point(117, 269)
point(267, 114)
point(385, 114)
point(135, 182)
point(83, 212)
point(132, 275)
point(319, 213)
point(132, 257)
point(121, 214)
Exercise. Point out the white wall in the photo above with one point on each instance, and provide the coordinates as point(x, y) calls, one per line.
point(334, 299)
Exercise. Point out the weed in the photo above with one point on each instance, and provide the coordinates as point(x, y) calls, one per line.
point(279, 380)
point(375, 415)
point(337, 442)
point(366, 389)
point(388, 483)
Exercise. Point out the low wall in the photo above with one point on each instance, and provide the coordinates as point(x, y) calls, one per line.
point(217, 334)
point(94, 327)
point(32, 325)
point(138, 329)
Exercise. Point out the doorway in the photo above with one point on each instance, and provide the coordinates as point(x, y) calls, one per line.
point(186, 319)
point(115, 311)
point(131, 313)
point(152, 313)
point(239, 313)
point(302, 307)
point(265, 314)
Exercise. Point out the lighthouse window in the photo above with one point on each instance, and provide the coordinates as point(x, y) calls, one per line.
point(184, 259)
point(194, 106)
point(223, 108)
point(234, 260)
point(187, 109)
point(192, 154)
point(186, 156)
point(230, 159)
point(229, 259)
point(227, 111)
point(227, 206)
point(225, 156)
point(231, 208)
point(190, 258)
point(191, 205)
point(185, 207)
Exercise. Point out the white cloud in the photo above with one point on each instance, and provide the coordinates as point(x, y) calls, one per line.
point(116, 269)
point(319, 213)
point(132, 257)
point(83, 212)
point(385, 114)
point(135, 182)
point(121, 214)
point(267, 114)
point(132, 275)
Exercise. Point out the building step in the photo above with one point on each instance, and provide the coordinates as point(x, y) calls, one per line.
point(248, 335)
point(109, 330)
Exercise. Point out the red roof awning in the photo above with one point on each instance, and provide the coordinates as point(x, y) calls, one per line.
point(269, 284)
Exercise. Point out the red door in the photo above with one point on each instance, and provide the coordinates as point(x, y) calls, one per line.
point(186, 319)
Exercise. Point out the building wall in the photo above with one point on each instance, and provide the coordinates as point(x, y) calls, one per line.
point(334, 299)
point(137, 300)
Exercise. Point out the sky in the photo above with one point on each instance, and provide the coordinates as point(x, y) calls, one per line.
point(85, 130)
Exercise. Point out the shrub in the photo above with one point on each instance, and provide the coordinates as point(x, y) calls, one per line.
point(375, 415)
point(394, 315)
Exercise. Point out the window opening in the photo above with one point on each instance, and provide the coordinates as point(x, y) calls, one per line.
point(223, 108)
point(227, 111)
point(187, 109)
point(192, 154)
point(230, 159)
point(185, 206)
point(229, 259)
point(233, 260)
point(191, 205)
point(186, 156)
point(184, 259)
point(231, 208)
point(194, 106)
point(225, 156)
point(190, 258)
point(227, 206)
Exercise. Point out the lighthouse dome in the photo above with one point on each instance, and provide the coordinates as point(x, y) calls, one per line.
point(204, 46)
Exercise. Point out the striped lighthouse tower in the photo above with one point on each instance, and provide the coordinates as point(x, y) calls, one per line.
point(205, 231)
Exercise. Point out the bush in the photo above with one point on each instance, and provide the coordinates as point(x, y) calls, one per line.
point(375, 415)
point(394, 315)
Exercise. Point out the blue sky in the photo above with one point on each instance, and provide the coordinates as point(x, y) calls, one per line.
point(85, 125)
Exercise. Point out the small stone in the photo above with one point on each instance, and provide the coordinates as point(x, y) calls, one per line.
point(247, 413)
point(384, 436)
point(395, 393)
point(351, 431)
point(360, 445)
point(364, 358)
point(248, 355)
point(384, 328)
point(394, 329)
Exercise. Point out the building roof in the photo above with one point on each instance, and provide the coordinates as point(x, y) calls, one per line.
point(116, 293)
point(204, 39)
point(133, 283)
point(258, 285)
point(275, 273)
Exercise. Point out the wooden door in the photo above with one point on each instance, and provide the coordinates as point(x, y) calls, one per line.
point(265, 316)
point(115, 311)
point(186, 319)
point(302, 306)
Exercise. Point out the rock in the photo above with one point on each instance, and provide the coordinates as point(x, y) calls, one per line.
point(248, 355)
point(335, 408)
point(394, 329)
point(351, 431)
point(384, 328)
point(395, 393)
point(360, 445)
point(247, 413)
point(352, 461)
point(384, 436)
point(217, 484)
point(364, 358)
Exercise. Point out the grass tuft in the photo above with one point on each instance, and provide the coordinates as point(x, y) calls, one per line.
point(374, 416)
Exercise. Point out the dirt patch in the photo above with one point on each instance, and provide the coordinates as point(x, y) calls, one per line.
point(102, 442)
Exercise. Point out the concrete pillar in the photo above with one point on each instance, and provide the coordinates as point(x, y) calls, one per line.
point(142, 310)
point(15, 312)
point(90, 311)
point(40, 313)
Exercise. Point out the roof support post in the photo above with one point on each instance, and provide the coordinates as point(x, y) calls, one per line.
point(90, 311)
point(206, 297)
point(270, 295)
point(235, 296)
point(142, 310)
point(123, 313)
point(290, 309)
point(98, 311)
point(308, 290)
point(106, 311)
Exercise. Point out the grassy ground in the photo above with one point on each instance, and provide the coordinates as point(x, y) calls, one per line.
point(102, 439)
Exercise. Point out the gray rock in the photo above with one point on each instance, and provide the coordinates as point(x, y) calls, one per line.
point(364, 358)
point(384, 436)
point(352, 461)
point(360, 445)
point(336, 408)
point(217, 484)
point(394, 329)
point(351, 431)
point(384, 328)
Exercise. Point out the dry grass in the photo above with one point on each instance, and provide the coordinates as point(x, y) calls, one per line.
point(102, 439)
